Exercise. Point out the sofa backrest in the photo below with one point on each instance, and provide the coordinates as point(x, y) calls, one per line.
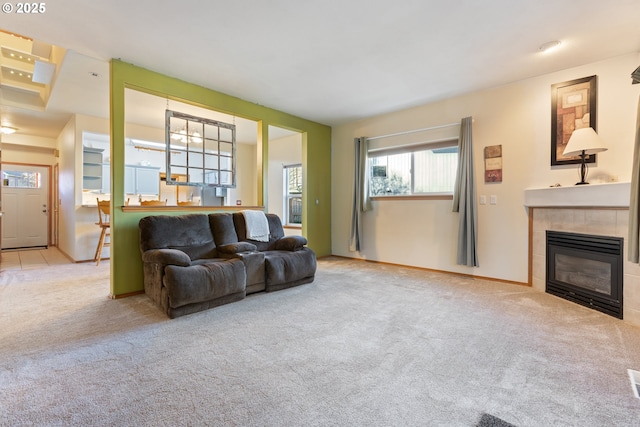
point(224, 232)
point(276, 231)
point(189, 233)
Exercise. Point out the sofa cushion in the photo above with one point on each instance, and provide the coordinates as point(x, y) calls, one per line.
point(286, 266)
point(223, 229)
point(290, 243)
point(204, 281)
point(204, 250)
point(166, 256)
point(189, 233)
point(234, 248)
point(275, 231)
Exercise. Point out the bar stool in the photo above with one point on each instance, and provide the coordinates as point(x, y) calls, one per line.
point(104, 221)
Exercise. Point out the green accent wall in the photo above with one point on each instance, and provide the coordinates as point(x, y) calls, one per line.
point(126, 262)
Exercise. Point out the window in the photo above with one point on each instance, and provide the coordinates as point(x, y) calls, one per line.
point(21, 179)
point(293, 194)
point(201, 149)
point(425, 169)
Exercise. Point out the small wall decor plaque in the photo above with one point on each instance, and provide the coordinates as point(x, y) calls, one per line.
point(493, 163)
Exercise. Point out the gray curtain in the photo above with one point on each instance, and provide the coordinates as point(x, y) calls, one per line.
point(634, 200)
point(464, 198)
point(361, 202)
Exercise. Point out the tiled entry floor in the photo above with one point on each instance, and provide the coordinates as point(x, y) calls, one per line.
point(31, 258)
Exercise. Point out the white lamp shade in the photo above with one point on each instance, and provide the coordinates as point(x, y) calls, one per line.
point(584, 139)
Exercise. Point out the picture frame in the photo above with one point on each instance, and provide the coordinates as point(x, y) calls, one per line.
point(573, 106)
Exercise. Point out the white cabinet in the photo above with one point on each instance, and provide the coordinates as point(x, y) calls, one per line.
point(144, 180)
point(129, 180)
point(147, 180)
point(91, 168)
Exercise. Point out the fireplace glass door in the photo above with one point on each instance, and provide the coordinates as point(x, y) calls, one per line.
point(586, 269)
point(585, 273)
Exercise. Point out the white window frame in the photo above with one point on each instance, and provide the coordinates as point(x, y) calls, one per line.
point(412, 149)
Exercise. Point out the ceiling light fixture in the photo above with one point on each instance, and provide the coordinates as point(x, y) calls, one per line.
point(182, 136)
point(7, 130)
point(549, 46)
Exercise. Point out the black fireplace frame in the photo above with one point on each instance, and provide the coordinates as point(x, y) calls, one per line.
point(599, 248)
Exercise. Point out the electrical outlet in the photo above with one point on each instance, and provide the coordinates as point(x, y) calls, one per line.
point(493, 199)
point(483, 200)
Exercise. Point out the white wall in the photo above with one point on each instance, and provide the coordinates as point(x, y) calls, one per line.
point(423, 233)
point(246, 177)
point(67, 189)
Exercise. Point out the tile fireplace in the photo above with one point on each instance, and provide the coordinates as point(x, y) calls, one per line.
point(596, 209)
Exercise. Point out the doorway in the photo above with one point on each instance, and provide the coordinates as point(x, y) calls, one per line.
point(285, 175)
point(25, 202)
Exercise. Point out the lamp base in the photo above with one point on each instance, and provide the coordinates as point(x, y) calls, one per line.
point(583, 168)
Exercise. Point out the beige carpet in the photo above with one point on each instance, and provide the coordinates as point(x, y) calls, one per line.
point(364, 345)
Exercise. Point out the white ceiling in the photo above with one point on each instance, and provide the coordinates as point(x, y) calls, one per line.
point(331, 61)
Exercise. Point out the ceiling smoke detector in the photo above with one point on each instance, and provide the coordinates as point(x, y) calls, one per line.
point(549, 46)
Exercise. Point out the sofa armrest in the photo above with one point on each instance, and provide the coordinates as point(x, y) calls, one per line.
point(290, 243)
point(234, 248)
point(166, 257)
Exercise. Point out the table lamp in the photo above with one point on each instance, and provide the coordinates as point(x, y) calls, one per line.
point(583, 142)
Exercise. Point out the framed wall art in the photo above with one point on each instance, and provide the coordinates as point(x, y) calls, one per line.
point(573, 106)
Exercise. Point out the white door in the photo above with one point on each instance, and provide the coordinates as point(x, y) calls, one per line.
point(25, 195)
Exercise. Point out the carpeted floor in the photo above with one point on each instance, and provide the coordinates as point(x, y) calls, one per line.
point(364, 345)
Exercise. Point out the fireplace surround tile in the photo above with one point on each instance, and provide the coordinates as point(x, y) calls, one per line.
point(560, 219)
point(592, 221)
point(630, 268)
point(622, 222)
point(539, 272)
point(631, 315)
point(632, 287)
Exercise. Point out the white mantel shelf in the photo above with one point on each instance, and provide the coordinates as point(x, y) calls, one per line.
point(609, 195)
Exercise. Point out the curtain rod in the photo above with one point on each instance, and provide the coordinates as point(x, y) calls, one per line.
point(413, 131)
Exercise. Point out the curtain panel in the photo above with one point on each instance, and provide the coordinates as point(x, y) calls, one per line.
point(464, 198)
point(634, 200)
point(361, 201)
